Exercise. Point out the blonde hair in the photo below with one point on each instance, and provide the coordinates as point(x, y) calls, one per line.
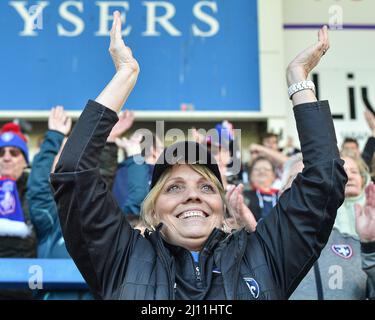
point(361, 164)
point(148, 205)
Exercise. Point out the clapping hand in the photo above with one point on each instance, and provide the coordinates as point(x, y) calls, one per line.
point(365, 217)
point(370, 119)
point(131, 146)
point(242, 214)
point(124, 123)
point(59, 121)
point(121, 54)
point(301, 66)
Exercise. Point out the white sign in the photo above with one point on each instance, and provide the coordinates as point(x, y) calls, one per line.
point(346, 76)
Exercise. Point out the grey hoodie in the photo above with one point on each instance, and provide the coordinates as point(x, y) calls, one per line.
point(346, 272)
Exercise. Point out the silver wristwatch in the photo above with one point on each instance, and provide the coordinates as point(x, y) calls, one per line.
point(299, 86)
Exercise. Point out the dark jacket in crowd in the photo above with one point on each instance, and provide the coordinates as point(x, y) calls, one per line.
point(368, 154)
point(131, 184)
point(108, 163)
point(17, 247)
point(43, 209)
point(119, 263)
point(260, 203)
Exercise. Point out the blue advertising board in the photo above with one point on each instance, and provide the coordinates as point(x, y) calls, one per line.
point(197, 54)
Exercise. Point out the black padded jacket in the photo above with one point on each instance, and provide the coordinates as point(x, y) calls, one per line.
point(119, 263)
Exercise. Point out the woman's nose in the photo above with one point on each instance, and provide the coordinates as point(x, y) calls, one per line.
point(193, 194)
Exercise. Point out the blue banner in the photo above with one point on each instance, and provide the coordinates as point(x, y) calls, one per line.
point(195, 55)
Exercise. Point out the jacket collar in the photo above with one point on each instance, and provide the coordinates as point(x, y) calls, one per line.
point(214, 238)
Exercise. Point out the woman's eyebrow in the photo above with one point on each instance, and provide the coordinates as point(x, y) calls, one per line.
point(175, 179)
point(203, 179)
point(200, 180)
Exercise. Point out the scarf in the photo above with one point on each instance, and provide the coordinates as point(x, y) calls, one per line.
point(12, 219)
point(345, 219)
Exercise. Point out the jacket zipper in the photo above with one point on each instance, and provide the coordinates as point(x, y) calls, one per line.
point(197, 274)
point(165, 262)
point(198, 266)
point(237, 274)
point(197, 269)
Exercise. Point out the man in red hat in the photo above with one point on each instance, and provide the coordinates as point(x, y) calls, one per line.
point(17, 237)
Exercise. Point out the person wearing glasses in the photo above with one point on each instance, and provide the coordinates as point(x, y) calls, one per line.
point(17, 236)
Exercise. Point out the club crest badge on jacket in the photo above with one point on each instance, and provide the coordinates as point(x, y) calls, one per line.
point(343, 250)
point(253, 287)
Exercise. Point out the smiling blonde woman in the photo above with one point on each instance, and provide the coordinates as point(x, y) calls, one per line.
point(186, 253)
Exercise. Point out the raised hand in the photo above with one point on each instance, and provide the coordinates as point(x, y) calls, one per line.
point(242, 214)
point(124, 123)
point(131, 146)
point(59, 121)
point(121, 54)
point(119, 88)
point(301, 66)
point(370, 119)
point(365, 217)
point(256, 150)
point(197, 136)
